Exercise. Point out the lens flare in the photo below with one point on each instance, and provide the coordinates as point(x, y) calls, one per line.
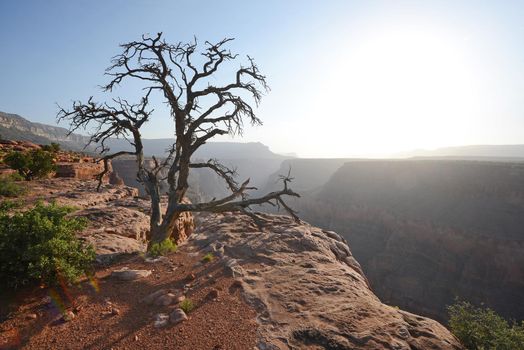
point(93, 282)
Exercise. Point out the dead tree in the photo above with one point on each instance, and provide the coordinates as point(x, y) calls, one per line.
point(200, 111)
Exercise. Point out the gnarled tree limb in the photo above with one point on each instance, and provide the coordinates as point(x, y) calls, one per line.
point(200, 109)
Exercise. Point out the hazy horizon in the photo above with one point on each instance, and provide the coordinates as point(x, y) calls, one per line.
point(347, 78)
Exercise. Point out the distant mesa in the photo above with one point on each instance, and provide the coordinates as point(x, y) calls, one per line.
point(472, 152)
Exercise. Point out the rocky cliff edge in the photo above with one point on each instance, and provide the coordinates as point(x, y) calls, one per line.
point(303, 286)
point(308, 289)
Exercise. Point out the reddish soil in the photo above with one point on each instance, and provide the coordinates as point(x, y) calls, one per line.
point(225, 322)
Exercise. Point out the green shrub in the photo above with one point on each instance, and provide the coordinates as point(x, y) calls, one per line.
point(31, 165)
point(9, 188)
point(7, 205)
point(483, 329)
point(39, 245)
point(187, 305)
point(162, 248)
point(208, 258)
point(53, 147)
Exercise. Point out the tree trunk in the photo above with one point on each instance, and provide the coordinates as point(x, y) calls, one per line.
point(168, 229)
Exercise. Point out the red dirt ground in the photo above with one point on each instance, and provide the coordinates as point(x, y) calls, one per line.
point(223, 323)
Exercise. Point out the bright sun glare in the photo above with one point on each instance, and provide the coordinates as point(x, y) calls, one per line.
point(402, 88)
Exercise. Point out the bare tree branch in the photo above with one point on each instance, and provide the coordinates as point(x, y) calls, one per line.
point(199, 114)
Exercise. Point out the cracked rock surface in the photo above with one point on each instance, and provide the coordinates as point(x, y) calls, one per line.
point(308, 289)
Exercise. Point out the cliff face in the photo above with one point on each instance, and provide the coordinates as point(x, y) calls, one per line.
point(13, 126)
point(308, 289)
point(428, 231)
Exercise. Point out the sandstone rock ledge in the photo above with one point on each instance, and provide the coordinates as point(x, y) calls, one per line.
point(309, 291)
point(118, 219)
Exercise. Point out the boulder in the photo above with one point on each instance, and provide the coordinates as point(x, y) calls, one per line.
point(150, 299)
point(177, 316)
point(165, 300)
point(161, 320)
point(126, 274)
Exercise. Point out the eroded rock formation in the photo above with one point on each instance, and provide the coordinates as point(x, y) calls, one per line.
point(308, 289)
point(118, 218)
point(81, 171)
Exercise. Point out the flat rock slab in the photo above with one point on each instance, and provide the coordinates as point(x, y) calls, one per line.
point(125, 274)
point(109, 246)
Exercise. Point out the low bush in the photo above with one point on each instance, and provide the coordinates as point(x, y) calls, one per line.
point(483, 329)
point(187, 305)
point(7, 205)
point(39, 245)
point(162, 248)
point(32, 164)
point(9, 187)
point(53, 147)
point(208, 258)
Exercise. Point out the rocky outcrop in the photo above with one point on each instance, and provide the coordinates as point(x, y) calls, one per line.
point(77, 193)
point(308, 289)
point(68, 164)
point(118, 218)
point(80, 171)
point(13, 126)
point(7, 146)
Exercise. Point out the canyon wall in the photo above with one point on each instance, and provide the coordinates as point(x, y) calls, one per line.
point(426, 232)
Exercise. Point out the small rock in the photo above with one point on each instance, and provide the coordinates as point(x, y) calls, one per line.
point(190, 277)
point(165, 300)
point(153, 296)
point(213, 294)
point(161, 320)
point(181, 298)
point(136, 337)
point(115, 311)
point(125, 274)
point(177, 316)
point(32, 316)
point(231, 262)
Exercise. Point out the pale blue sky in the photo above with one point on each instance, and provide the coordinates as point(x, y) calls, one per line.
point(347, 77)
